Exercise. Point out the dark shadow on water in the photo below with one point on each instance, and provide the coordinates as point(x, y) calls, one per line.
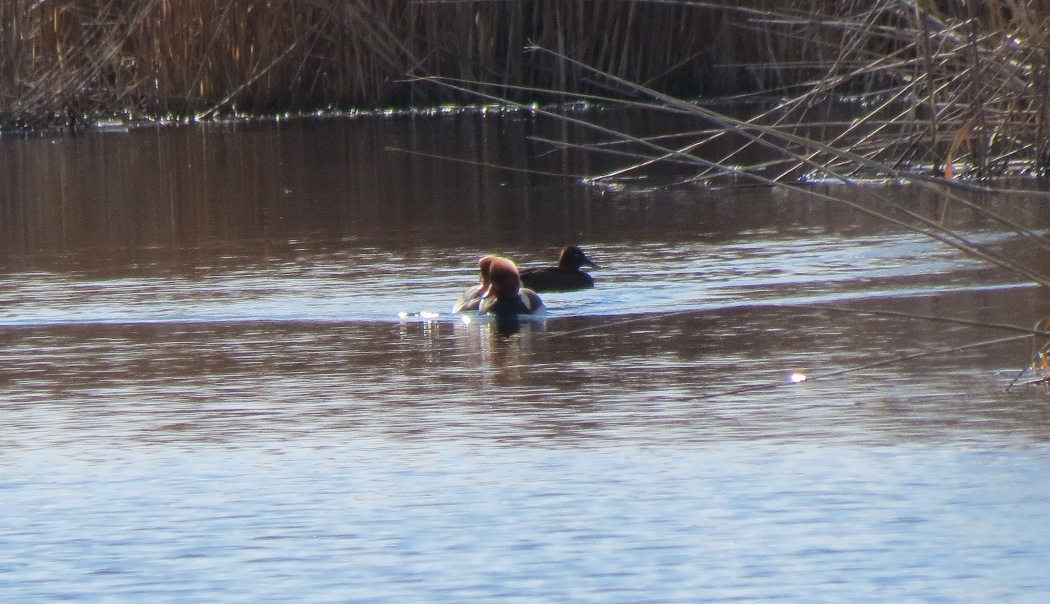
point(507, 325)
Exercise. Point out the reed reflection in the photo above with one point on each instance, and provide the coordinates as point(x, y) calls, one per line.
point(171, 195)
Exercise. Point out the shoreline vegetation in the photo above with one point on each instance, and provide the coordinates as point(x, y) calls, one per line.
point(960, 87)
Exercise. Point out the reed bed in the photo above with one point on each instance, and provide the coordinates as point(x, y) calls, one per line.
point(962, 91)
point(960, 87)
point(872, 90)
point(183, 56)
point(76, 59)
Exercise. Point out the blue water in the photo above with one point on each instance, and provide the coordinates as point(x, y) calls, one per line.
point(361, 518)
point(279, 432)
point(368, 285)
point(245, 385)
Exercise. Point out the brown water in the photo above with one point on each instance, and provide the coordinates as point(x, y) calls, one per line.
point(229, 372)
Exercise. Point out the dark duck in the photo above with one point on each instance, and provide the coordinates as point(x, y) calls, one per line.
point(567, 276)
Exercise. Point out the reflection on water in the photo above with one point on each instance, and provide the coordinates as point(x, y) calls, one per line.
point(177, 197)
point(229, 372)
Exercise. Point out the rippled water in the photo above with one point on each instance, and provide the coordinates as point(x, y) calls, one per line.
point(223, 380)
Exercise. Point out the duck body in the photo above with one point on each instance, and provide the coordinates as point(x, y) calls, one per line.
point(505, 297)
point(470, 300)
point(567, 276)
point(555, 279)
point(526, 302)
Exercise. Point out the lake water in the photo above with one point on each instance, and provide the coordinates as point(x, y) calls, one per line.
point(229, 373)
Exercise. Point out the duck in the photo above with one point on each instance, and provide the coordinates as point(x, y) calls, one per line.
point(567, 276)
point(471, 298)
point(505, 297)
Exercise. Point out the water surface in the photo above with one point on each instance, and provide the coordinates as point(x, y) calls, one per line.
point(229, 373)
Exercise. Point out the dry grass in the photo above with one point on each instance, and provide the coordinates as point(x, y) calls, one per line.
point(959, 86)
point(940, 89)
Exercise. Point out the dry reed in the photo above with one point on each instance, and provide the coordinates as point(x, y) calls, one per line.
point(960, 86)
point(182, 55)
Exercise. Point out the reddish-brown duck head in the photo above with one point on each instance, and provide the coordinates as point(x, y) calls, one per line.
point(504, 280)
